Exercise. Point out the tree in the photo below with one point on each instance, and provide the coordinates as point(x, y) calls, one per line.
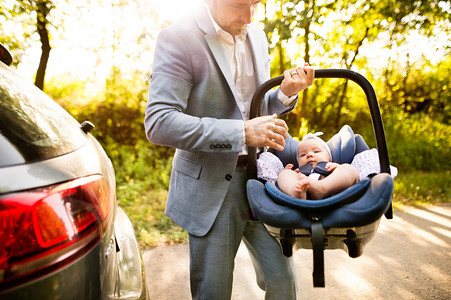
point(292, 23)
point(15, 38)
point(36, 12)
point(353, 26)
point(402, 77)
point(41, 10)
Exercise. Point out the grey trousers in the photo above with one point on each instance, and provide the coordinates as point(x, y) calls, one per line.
point(212, 256)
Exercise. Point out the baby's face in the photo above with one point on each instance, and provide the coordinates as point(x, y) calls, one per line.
point(311, 151)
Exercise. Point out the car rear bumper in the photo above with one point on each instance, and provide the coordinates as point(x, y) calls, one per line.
point(130, 281)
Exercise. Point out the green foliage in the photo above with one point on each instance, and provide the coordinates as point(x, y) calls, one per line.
point(423, 88)
point(142, 178)
point(415, 106)
point(149, 163)
point(117, 114)
point(422, 188)
point(142, 175)
point(353, 25)
point(16, 41)
point(70, 93)
point(418, 142)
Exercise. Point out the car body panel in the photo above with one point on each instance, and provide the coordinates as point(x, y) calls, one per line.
point(88, 160)
point(107, 267)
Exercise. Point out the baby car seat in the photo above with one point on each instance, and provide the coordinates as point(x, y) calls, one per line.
point(345, 221)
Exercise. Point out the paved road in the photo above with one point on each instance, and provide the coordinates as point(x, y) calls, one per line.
point(409, 258)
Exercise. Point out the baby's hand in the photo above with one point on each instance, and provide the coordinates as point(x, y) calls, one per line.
point(289, 166)
point(331, 166)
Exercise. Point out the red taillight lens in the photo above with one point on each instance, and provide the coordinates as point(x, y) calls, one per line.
point(38, 227)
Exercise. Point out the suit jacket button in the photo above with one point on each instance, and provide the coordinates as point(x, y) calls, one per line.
point(228, 177)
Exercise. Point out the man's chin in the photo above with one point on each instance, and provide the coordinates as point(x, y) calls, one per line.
point(239, 29)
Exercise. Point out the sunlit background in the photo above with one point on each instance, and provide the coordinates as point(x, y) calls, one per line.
point(106, 34)
point(102, 55)
point(92, 37)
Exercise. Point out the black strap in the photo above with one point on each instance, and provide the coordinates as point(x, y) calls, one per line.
point(318, 252)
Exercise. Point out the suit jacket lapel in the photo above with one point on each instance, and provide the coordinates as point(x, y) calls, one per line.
point(204, 23)
point(218, 53)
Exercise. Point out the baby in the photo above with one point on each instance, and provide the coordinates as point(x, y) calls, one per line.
point(314, 159)
point(311, 151)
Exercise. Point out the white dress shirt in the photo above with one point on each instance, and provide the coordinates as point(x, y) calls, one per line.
point(239, 57)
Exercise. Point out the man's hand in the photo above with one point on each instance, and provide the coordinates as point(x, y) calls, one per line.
point(266, 131)
point(297, 79)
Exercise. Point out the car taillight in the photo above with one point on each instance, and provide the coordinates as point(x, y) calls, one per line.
point(44, 229)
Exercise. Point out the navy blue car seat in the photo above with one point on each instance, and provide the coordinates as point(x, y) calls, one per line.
point(345, 221)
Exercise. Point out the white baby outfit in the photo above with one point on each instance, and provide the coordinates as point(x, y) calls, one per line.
point(366, 162)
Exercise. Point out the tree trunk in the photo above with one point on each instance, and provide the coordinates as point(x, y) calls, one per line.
point(42, 12)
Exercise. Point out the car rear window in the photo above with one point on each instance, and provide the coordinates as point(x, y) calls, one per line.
point(32, 126)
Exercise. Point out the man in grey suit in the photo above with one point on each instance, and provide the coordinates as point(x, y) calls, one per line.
point(205, 71)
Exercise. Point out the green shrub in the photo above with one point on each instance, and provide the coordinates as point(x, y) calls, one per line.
point(144, 162)
point(419, 188)
point(145, 206)
point(415, 142)
point(142, 178)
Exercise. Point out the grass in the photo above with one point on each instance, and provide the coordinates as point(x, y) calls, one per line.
point(419, 188)
point(145, 208)
point(153, 228)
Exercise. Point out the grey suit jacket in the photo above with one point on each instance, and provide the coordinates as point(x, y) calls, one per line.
point(192, 107)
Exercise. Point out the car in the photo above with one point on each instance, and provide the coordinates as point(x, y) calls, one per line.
point(62, 234)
